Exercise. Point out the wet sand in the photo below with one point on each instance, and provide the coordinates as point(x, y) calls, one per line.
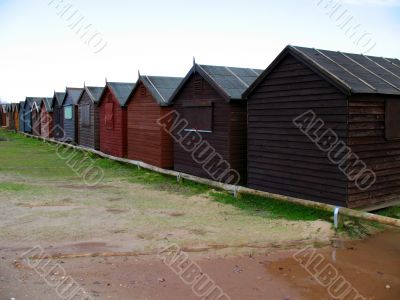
point(372, 266)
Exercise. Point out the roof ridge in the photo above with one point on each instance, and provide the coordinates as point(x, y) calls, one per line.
point(158, 92)
point(389, 61)
point(364, 67)
point(237, 77)
point(347, 70)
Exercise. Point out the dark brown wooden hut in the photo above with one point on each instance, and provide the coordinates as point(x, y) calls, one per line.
point(58, 115)
point(113, 118)
point(150, 101)
point(70, 112)
point(16, 107)
point(324, 126)
point(88, 117)
point(210, 100)
point(2, 116)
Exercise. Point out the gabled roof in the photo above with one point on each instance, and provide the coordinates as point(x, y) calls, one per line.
point(73, 94)
point(94, 93)
point(48, 104)
point(121, 91)
point(230, 82)
point(351, 73)
point(59, 97)
point(161, 88)
point(15, 107)
point(31, 100)
point(37, 102)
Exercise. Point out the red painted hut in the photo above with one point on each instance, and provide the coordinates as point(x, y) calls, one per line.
point(46, 118)
point(113, 118)
point(150, 101)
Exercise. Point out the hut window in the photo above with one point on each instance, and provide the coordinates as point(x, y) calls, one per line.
point(392, 120)
point(199, 116)
point(85, 115)
point(109, 118)
point(68, 112)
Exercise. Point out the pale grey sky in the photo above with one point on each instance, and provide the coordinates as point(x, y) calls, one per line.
point(39, 52)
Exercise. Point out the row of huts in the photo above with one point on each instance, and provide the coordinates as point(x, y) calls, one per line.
point(307, 126)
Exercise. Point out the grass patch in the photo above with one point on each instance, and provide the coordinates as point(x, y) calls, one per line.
point(14, 187)
point(392, 212)
point(271, 208)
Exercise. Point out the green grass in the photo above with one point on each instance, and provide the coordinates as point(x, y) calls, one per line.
point(31, 157)
point(393, 212)
point(14, 187)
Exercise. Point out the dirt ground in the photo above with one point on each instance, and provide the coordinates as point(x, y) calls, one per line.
point(106, 239)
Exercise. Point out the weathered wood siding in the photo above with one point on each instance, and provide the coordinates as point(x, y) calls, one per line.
point(21, 120)
point(147, 141)
point(367, 140)
point(58, 116)
point(89, 135)
point(11, 125)
point(281, 159)
point(69, 124)
point(47, 123)
point(16, 120)
point(36, 128)
point(113, 141)
point(28, 119)
point(224, 136)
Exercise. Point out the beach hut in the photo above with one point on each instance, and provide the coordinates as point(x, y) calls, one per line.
point(36, 122)
point(212, 113)
point(325, 126)
point(88, 117)
point(46, 118)
point(21, 116)
point(113, 118)
point(70, 113)
point(16, 116)
point(9, 117)
point(1, 115)
point(28, 114)
point(150, 101)
point(58, 115)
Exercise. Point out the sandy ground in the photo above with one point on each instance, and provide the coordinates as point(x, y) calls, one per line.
point(106, 239)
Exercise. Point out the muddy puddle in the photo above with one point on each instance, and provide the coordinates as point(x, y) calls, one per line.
point(367, 269)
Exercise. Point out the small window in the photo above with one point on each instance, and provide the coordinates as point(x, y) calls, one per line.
point(109, 116)
point(199, 116)
point(392, 119)
point(85, 115)
point(68, 112)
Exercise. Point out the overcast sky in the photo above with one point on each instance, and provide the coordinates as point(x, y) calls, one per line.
point(40, 53)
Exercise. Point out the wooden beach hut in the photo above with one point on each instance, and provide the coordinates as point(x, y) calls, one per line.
point(16, 108)
point(210, 100)
point(88, 117)
point(150, 101)
point(36, 122)
point(47, 118)
point(70, 112)
point(58, 115)
point(21, 116)
point(113, 118)
point(325, 126)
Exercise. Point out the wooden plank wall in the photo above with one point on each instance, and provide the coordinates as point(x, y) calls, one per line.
point(113, 141)
point(281, 159)
point(146, 139)
point(220, 138)
point(367, 140)
point(58, 115)
point(88, 136)
point(36, 125)
point(47, 123)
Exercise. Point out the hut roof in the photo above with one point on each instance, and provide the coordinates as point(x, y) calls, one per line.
point(59, 97)
point(48, 104)
point(73, 94)
point(160, 87)
point(351, 73)
point(121, 91)
point(231, 82)
point(94, 93)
